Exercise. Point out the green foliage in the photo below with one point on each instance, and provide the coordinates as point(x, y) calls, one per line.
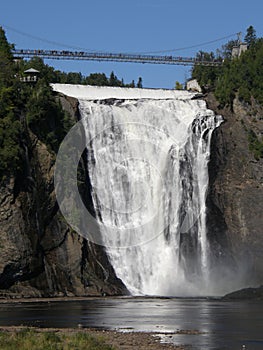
point(242, 77)
point(244, 94)
point(205, 75)
point(250, 37)
point(10, 127)
point(98, 79)
point(45, 116)
point(25, 107)
point(5, 47)
point(50, 75)
point(226, 50)
point(255, 145)
point(178, 86)
point(74, 78)
point(139, 83)
point(6, 61)
point(10, 152)
point(45, 72)
point(114, 81)
point(41, 340)
point(131, 85)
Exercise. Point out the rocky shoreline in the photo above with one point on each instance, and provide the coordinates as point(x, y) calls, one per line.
point(119, 340)
point(246, 294)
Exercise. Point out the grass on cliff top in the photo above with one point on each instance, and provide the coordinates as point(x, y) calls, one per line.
point(31, 339)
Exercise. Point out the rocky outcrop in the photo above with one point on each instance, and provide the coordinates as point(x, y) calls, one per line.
point(40, 254)
point(235, 198)
point(246, 293)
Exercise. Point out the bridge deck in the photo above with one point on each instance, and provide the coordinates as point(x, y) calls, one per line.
point(117, 57)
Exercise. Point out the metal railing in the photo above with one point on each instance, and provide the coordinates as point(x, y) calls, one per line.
point(116, 57)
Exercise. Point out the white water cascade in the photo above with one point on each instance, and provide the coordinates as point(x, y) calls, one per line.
point(148, 166)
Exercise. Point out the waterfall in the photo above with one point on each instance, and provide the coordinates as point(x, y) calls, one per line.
point(147, 159)
point(147, 162)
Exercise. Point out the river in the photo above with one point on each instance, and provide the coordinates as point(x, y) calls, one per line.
point(219, 324)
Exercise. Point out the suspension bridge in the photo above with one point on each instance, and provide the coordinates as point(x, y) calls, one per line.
point(116, 57)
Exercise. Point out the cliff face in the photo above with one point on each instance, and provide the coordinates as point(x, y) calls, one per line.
point(235, 199)
point(40, 254)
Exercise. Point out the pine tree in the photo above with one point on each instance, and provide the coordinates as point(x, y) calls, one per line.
point(178, 86)
point(250, 37)
point(139, 83)
point(113, 81)
point(6, 60)
point(5, 47)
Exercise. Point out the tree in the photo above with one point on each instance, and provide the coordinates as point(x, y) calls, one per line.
point(5, 47)
point(112, 79)
point(205, 75)
point(45, 116)
point(178, 86)
point(139, 83)
point(74, 78)
point(205, 56)
point(226, 51)
point(6, 60)
point(250, 37)
point(98, 79)
point(10, 127)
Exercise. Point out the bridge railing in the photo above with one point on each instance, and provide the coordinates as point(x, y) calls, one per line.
point(118, 57)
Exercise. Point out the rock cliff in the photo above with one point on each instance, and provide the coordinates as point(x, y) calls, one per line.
point(235, 198)
point(40, 254)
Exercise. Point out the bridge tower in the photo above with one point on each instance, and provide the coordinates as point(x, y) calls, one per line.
point(240, 47)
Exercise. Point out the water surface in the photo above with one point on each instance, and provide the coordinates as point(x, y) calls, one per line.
point(222, 324)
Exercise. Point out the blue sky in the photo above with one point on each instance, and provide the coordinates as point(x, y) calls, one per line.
point(129, 26)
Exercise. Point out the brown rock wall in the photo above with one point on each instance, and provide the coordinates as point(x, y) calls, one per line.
point(235, 198)
point(40, 255)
